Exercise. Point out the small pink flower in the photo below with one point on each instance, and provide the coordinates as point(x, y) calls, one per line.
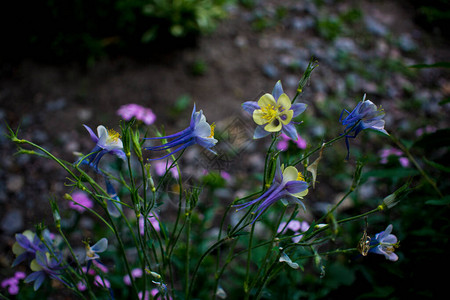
point(98, 281)
point(385, 153)
point(225, 175)
point(153, 218)
point(161, 168)
point(81, 286)
point(101, 266)
point(80, 198)
point(141, 113)
point(296, 226)
point(12, 284)
point(283, 144)
point(135, 273)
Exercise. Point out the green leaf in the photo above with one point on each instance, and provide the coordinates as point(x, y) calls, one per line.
point(442, 64)
point(437, 166)
point(443, 201)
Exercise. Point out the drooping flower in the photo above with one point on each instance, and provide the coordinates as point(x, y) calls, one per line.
point(365, 115)
point(287, 184)
point(107, 142)
point(198, 132)
point(141, 113)
point(385, 244)
point(274, 113)
point(80, 200)
point(45, 265)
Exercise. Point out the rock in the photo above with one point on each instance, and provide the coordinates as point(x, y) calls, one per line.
point(375, 27)
point(14, 183)
point(270, 71)
point(12, 222)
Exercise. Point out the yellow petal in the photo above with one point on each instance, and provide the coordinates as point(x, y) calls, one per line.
point(286, 116)
point(273, 126)
point(258, 117)
point(284, 101)
point(266, 99)
point(290, 174)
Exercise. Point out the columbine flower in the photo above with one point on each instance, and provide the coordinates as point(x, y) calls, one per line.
point(288, 184)
point(198, 132)
point(385, 244)
point(141, 113)
point(365, 115)
point(274, 112)
point(92, 252)
point(107, 142)
point(44, 266)
point(27, 244)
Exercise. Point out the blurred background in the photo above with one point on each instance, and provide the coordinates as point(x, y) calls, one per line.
point(68, 63)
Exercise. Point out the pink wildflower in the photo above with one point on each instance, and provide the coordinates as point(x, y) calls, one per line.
point(385, 153)
point(141, 113)
point(135, 273)
point(153, 218)
point(98, 281)
point(296, 226)
point(80, 198)
point(283, 144)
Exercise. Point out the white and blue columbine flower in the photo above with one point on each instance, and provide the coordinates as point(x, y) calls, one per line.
point(107, 142)
point(199, 132)
point(287, 184)
point(274, 113)
point(365, 115)
point(385, 244)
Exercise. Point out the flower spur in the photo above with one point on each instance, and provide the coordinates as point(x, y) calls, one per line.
point(199, 132)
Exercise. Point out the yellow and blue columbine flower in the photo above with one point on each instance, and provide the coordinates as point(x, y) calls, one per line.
point(274, 113)
point(365, 115)
point(287, 184)
point(199, 132)
point(385, 244)
point(107, 142)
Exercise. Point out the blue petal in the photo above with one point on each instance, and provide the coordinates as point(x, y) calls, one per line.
point(290, 131)
point(277, 90)
point(250, 106)
point(298, 108)
point(260, 132)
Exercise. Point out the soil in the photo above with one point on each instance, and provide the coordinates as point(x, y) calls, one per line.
point(50, 102)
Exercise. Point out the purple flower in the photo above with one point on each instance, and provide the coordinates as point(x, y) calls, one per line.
point(287, 184)
point(107, 142)
point(365, 115)
point(141, 113)
point(198, 132)
point(103, 282)
point(161, 168)
point(45, 265)
point(274, 113)
point(385, 244)
point(26, 246)
point(80, 199)
point(385, 153)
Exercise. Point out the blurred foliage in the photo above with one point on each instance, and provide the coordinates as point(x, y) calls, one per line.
point(81, 29)
point(433, 14)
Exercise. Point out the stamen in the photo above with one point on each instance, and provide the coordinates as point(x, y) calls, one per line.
point(213, 126)
point(300, 177)
point(113, 135)
point(269, 112)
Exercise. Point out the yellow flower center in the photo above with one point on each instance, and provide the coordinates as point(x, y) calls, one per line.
point(213, 126)
point(113, 135)
point(300, 177)
point(270, 112)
